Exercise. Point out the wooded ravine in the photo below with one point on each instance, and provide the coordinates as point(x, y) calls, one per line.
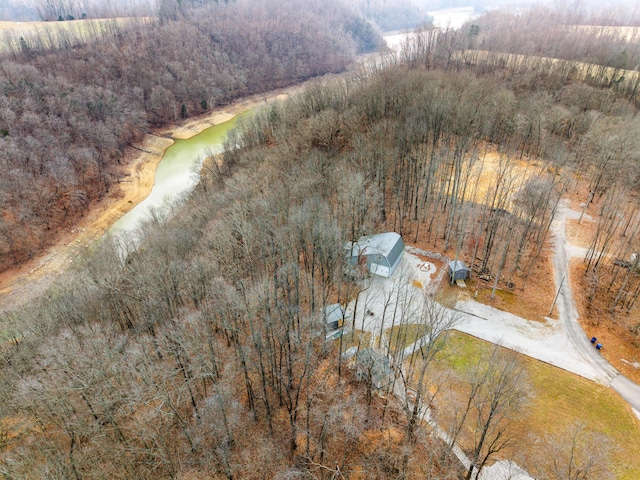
point(201, 352)
point(71, 107)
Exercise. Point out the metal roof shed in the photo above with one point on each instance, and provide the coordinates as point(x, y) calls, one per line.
point(383, 252)
point(373, 367)
point(334, 316)
point(458, 270)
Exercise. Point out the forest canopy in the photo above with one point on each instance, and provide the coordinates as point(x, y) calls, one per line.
point(159, 365)
point(71, 105)
point(203, 351)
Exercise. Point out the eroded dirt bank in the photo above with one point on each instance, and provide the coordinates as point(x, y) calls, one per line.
point(24, 282)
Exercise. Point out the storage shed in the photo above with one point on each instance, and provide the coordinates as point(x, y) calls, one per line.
point(373, 367)
point(458, 270)
point(382, 252)
point(333, 316)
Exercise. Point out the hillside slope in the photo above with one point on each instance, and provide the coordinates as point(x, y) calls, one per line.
point(71, 106)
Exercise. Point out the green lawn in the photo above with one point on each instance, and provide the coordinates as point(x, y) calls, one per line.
point(402, 336)
point(560, 398)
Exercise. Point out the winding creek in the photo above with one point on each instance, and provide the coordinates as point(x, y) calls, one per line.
point(176, 174)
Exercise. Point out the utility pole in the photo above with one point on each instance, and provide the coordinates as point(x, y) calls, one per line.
point(557, 293)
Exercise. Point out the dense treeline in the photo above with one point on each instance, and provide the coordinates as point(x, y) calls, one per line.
point(203, 350)
point(56, 10)
point(68, 111)
point(560, 34)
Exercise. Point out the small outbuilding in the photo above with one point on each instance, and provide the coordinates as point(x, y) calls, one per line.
point(333, 316)
point(373, 368)
point(458, 270)
point(382, 252)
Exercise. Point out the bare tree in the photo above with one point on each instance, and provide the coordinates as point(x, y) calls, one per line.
point(421, 376)
point(576, 454)
point(496, 390)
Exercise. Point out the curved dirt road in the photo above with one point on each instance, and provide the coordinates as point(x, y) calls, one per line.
point(568, 315)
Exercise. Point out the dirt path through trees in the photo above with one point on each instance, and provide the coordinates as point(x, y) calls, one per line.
point(20, 284)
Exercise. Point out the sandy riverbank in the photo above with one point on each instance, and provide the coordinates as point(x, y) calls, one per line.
point(22, 283)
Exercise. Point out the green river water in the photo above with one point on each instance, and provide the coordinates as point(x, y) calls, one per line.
point(176, 173)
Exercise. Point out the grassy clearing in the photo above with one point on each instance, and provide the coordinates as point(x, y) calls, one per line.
point(402, 336)
point(562, 398)
point(51, 34)
point(10, 333)
point(559, 399)
point(504, 297)
point(357, 338)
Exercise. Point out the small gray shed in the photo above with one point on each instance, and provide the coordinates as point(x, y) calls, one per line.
point(333, 316)
point(458, 270)
point(373, 367)
point(382, 252)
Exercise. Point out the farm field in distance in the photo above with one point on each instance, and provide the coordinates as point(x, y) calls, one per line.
point(39, 35)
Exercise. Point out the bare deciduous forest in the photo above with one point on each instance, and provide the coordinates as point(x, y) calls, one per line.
point(71, 107)
point(594, 86)
point(560, 34)
point(202, 353)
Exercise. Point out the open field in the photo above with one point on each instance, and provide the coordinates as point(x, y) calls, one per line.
point(51, 34)
point(87, 25)
point(559, 399)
